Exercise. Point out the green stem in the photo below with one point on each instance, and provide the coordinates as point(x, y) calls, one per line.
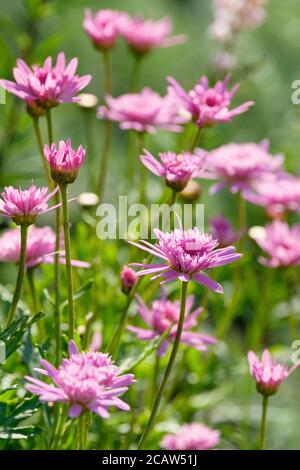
point(143, 171)
point(38, 135)
point(49, 126)
point(263, 426)
point(136, 70)
point(30, 277)
point(82, 432)
point(64, 199)
point(107, 127)
point(168, 370)
point(22, 263)
point(196, 139)
point(242, 220)
point(154, 379)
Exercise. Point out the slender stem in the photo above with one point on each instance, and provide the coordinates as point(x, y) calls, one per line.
point(143, 173)
point(38, 135)
point(107, 127)
point(22, 263)
point(154, 378)
point(30, 277)
point(136, 70)
point(173, 355)
point(50, 127)
point(196, 139)
point(242, 220)
point(64, 192)
point(82, 431)
point(263, 427)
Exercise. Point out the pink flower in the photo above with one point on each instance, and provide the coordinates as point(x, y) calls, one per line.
point(145, 35)
point(24, 205)
point(64, 161)
point(143, 112)
point(128, 279)
point(102, 27)
point(207, 105)
point(85, 381)
point(176, 169)
point(40, 247)
point(280, 242)
point(267, 374)
point(46, 86)
point(185, 255)
point(222, 230)
point(160, 317)
point(241, 165)
point(193, 436)
point(278, 194)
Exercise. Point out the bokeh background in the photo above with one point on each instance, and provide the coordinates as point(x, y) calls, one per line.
point(268, 63)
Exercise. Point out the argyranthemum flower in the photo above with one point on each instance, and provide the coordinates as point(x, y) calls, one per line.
point(24, 205)
point(239, 166)
point(103, 27)
point(144, 35)
point(40, 247)
point(64, 161)
point(192, 436)
point(280, 242)
point(46, 86)
point(207, 105)
point(176, 169)
point(86, 381)
point(128, 279)
point(186, 255)
point(267, 374)
point(162, 314)
point(143, 112)
point(222, 230)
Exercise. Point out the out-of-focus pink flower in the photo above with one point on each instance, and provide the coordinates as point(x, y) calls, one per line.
point(222, 230)
point(128, 279)
point(193, 436)
point(267, 374)
point(143, 112)
point(233, 16)
point(207, 105)
point(185, 255)
point(24, 205)
point(280, 242)
point(64, 161)
point(46, 86)
point(176, 169)
point(85, 381)
point(162, 314)
point(278, 194)
point(144, 35)
point(239, 166)
point(103, 28)
point(40, 247)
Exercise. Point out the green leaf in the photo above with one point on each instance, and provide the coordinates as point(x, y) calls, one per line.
point(19, 432)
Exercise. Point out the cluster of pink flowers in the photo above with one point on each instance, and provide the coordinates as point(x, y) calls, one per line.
point(165, 313)
point(192, 436)
point(208, 105)
point(85, 381)
point(46, 86)
point(142, 35)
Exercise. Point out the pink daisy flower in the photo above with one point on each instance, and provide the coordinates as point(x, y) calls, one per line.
point(46, 86)
point(162, 314)
point(240, 165)
point(280, 242)
point(207, 105)
point(64, 161)
point(144, 35)
point(186, 255)
point(128, 279)
point(143, 112)
point(102, 27)
point(24, 205)
point(176, 169)
point(193, 436)
point(267, 374)
point(85, 381)
point(222, 230)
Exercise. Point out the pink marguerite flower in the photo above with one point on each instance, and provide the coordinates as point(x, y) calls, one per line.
point(186, 255)
point(128, 279)
point(24, 205)
point(160, 317)
point(46, 86)
point(207, 105)
point(192, 436)
point(64, 161)
point(85, 381)
point(103, 27)
point(280, 242)
point(267, 374)
point(143, 112)
point(144, 35)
